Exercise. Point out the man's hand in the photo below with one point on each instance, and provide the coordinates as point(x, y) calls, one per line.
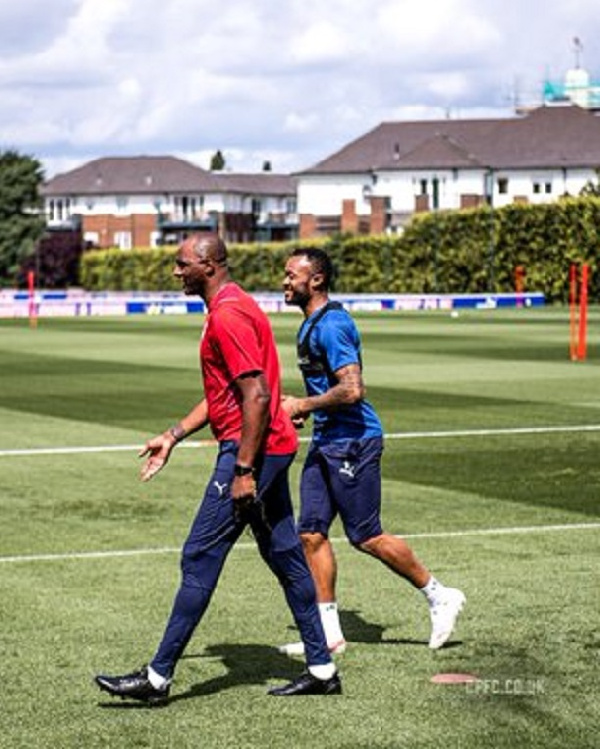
point(292, 406)
point(243, 494)
point(158, 449)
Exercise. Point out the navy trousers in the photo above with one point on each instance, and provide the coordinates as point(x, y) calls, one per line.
point(214, 532)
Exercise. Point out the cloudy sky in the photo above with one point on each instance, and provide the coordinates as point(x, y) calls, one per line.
point(289, 81)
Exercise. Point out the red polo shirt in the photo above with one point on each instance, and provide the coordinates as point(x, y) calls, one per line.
point(237, 339)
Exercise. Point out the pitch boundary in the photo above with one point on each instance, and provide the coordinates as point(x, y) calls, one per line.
point(516, 530)
point(27, 452)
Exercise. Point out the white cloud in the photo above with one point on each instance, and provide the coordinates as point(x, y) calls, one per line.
point(448, 86)
point(301, 123)
point(321, 42)
point(78, 55)
point(263, 80)
point(435, 31)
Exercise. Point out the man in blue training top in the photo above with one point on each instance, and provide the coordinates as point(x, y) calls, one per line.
point(342, 472)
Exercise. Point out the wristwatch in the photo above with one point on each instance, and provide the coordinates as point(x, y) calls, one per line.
point(239, 470)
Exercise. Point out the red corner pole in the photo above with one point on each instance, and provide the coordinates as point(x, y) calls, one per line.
point(583, 306)
point(519, 284)
point(578, 309)
point(32, 307)
point(573, 312)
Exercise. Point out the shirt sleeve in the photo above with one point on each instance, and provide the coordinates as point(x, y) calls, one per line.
point(236, 338)
point(339, 340)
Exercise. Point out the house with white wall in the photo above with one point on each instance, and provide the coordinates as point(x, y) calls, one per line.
point(146, 201)
point(379, 181)
point(374, 184)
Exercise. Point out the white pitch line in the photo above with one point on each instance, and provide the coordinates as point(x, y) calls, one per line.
point(526, 529)
point(92, 449)
point(391, 436)
point(494, 432)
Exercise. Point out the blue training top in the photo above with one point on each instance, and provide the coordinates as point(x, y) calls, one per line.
point(327, 341)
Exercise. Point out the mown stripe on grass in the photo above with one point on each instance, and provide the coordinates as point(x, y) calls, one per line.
point(391, 436)
point(526, 529)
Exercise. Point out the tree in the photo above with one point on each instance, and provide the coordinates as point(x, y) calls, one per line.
point(21, 221)
point(217, 162)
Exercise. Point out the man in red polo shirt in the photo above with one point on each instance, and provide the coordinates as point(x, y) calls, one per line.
point(249, 484)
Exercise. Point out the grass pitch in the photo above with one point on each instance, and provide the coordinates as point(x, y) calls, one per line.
point(491, 469)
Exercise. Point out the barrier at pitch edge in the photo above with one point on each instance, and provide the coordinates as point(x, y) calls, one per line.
point(82, 304)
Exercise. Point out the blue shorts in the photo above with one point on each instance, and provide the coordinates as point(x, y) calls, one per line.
point(342, 477)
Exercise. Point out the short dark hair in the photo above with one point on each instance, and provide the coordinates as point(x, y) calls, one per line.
point(320, 262)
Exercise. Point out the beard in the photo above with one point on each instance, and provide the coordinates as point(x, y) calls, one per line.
point(297, 297)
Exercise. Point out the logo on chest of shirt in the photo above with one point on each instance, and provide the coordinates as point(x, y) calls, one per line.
point(220, 487)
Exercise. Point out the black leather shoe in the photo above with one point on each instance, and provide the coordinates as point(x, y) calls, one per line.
point(135, 686)
point(306, 683)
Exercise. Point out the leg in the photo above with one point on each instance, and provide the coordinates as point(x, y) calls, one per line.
point(316, 516)
point(445, 604)
point(210, 540)
point(213, 533)
point(323, 566)
point(354, 472)
point(280, 547)
point(398, 556)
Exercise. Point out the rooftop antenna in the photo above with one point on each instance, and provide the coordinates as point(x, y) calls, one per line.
point(577, 50)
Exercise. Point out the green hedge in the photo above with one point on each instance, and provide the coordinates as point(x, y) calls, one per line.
point(445, 252)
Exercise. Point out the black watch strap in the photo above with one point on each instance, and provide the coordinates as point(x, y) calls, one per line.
point(242, 470)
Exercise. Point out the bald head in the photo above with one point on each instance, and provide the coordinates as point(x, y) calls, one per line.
point(201, 265)
point(208, 247)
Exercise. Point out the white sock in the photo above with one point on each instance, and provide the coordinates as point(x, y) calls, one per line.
point(331, 622)
point(157, 681)
point(433, 591)
point(324, 672)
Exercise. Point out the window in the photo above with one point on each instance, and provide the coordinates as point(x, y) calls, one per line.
point(188, 208)
point(122, 203)
point(59, 210)
point(123, 240)
point(435, 186)
point(537, 188)
point(423, 184)
point(503, 185)
point(548, 188)
point(291, 206)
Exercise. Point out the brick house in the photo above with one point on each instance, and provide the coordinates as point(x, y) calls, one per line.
point(146, 201)
point(374, 184)
point(379, 181)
